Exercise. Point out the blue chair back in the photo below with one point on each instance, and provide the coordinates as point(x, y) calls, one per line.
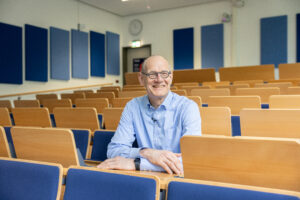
point(29, 180)
point(82, 139)
point(100, 142)
point(10, 141)
point(235, 125)
point(52, 120)
point(95, 184)
point(186, 190)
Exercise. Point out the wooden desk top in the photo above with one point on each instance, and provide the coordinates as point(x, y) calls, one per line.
point(163, 177)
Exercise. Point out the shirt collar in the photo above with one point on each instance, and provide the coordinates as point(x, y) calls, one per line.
point(166, 103)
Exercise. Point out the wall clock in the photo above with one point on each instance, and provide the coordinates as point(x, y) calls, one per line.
point(135, 27)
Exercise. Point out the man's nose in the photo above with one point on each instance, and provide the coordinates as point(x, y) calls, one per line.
point(158, 77)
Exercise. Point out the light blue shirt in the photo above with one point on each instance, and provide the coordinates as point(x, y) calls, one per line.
point(159, 128)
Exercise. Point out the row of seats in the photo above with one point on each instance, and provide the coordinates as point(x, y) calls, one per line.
point(257, 161)
point(231, 74)
point(28, 180)
point(87, 117)
point(65, 146)
point(98, 103)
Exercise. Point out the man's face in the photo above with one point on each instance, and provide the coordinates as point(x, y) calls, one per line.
point(157, 85)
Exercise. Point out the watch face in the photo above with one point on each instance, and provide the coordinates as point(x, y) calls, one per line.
point(135, 27)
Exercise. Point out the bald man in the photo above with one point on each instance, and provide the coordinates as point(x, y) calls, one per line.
point(157, 121)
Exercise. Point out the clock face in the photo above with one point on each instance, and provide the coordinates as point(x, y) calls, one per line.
point(135, 27)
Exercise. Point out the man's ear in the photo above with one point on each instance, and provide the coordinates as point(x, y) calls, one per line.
point(171, 77)
point(141, 79)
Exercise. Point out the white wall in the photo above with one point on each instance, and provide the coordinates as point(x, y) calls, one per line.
point(247, 31)
point(158, 28)
point(65, 14)
point(241, 36)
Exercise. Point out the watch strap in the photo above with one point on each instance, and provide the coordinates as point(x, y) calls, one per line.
point(137, 163)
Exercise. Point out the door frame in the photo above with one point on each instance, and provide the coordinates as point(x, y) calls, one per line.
point(124, 53)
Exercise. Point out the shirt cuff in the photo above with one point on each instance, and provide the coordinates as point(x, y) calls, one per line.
point(134, 153)
point(148, 166)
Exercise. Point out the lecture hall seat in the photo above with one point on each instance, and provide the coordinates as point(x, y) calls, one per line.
point(111, 118)
point(38, 117)
point(254, 161)
point(235, 103)
point(27, 103)
point(29, 180)
point(100, 142)
point(207, 190)
point(6, 104)
point(94, 184)
point(4, 146)
point(46, 144)
point(81, 118)
point(120, 102)
point(216, 120)
point(282, 123)
point(5, 119)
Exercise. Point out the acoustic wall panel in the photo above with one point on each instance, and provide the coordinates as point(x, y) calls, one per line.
point(80, 60)
point(298, 37)
point(10, 54)
point(212, 46)
point(97, 46)
point(36, 53)
point(183, 48)
point(273, 40)
point(113, 53)
point(59, 54)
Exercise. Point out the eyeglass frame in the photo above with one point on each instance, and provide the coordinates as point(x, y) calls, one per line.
point(156, 74)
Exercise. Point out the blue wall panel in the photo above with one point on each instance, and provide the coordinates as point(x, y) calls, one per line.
point(298, 37)
point(183, 48)
point(113, 53)
point(273, 40)
point(212, 46)
point(97, 45)
point(10, 54)
point(36, 53)
point(59, 54)
point(80, 59)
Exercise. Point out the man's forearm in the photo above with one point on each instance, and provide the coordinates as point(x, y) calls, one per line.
point(115, 150)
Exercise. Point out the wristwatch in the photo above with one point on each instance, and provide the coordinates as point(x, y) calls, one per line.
point(137, 163)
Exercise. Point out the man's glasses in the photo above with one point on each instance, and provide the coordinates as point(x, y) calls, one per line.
point(154, 75)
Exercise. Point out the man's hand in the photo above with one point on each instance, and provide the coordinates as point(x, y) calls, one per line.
point(168, 160)
point(118, 163)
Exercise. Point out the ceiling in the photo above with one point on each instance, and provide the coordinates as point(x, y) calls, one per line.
point(133, 7)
